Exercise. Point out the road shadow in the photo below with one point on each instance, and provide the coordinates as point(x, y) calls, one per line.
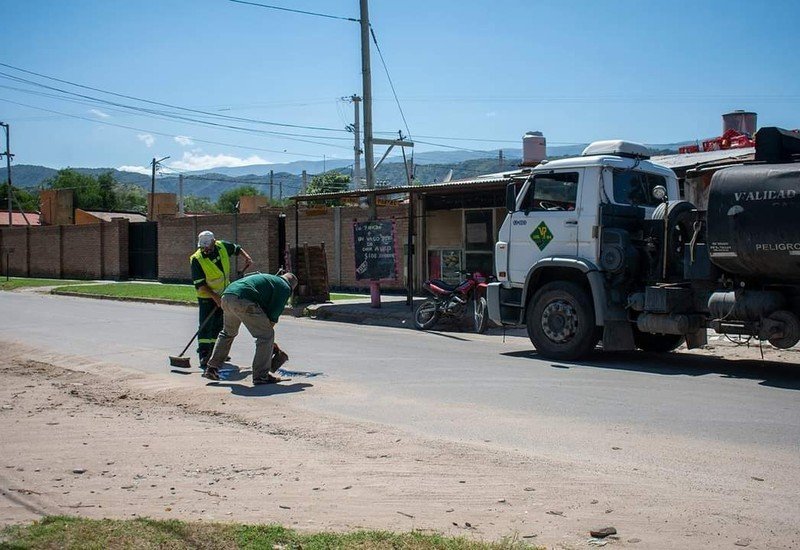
point(263, 390)
point(767, 373)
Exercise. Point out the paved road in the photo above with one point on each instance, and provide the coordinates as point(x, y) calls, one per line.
point(460, 386)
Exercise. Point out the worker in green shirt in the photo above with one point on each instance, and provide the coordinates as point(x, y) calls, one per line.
point(257, 301)
point(211, 273)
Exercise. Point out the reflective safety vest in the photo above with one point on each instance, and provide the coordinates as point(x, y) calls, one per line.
point(215, 279)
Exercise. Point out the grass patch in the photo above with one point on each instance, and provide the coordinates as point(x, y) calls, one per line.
point(173, 293)
point(22, 282)
point(69, 532)
point(342, 296)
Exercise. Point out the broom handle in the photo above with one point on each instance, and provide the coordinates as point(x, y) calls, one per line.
point(202, 326)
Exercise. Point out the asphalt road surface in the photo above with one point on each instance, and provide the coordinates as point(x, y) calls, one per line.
point(689, 418)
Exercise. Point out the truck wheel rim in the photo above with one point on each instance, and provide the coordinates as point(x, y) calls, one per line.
point(560, 321)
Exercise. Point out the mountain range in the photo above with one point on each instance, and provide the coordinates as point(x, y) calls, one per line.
point(429, 167)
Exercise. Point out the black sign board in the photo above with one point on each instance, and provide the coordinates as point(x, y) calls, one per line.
point(374, 250)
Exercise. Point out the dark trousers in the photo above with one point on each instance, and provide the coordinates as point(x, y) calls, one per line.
point(208, 334)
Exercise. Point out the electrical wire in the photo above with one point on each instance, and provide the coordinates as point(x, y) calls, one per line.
point(158, 103)
point(388, 76)
point(163, 134)
point(302, 12)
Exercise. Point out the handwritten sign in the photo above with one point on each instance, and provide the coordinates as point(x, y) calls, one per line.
point(374, 250)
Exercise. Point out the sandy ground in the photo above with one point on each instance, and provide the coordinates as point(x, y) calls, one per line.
point(100, 441)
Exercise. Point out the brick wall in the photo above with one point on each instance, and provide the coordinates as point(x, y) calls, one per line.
point(317, 225)
point(256, 233)
point(14, 238)
point(45, 251)
point(98, 251)
point(82, 253)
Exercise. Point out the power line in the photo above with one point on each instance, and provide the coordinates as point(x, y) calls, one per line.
point(302, 12)
point(152, 102)
point(391, 84)
point(185, 119)
point(163, 134)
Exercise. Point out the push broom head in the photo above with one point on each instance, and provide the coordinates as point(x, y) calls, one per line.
point(180, 362)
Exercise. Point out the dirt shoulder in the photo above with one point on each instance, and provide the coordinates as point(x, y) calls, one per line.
point(99, 441)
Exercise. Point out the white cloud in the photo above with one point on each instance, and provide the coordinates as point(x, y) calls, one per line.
point(196, 161)
point(491, 114)
point(137, 169)
point(147, 139)
point(183, 140)
point(98, 113)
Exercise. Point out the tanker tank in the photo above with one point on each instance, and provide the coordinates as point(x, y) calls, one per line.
point(754, 221)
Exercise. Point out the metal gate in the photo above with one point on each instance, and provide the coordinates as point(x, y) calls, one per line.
point(143, 250)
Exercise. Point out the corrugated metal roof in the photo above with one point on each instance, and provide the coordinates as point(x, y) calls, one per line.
point(690, 160)
point(479, 182)
point(18, 219)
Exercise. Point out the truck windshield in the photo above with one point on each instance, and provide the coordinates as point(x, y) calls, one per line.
point(636, 188)
point(558, 191)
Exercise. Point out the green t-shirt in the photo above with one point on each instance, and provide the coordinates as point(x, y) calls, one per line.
point(268, 291)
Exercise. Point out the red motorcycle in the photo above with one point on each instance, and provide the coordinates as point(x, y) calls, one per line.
point(468, 298)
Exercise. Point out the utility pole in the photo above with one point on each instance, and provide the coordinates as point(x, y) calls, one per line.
point(305, 183)
point(500, 160)
point(9, 156)
point(154, 165)
point(271, 185)
point(366, 78)
point(357, 146)
point(8, 168)
point(280, 190)
point(180, 194)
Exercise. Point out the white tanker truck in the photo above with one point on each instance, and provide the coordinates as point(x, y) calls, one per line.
point(599, 247)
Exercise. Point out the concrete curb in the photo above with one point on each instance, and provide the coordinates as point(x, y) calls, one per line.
point(123, 298)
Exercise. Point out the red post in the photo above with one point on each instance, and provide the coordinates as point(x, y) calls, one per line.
point(375, 294)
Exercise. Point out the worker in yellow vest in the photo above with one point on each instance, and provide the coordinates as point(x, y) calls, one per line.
point(211, 273)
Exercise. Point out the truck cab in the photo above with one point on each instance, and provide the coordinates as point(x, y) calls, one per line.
point(552, 243)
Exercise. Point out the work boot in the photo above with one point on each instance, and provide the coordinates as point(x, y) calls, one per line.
point(212, 373)
point(270, 379)
point(278, 360)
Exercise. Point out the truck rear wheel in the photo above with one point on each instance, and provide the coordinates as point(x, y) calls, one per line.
point(560, 321)
point(657, 343)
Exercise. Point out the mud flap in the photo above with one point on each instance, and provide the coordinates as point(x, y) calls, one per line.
point(618, 336)
point(697, 339)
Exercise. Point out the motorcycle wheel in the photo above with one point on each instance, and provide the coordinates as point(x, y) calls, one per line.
point(426, 315)
point(480, 315)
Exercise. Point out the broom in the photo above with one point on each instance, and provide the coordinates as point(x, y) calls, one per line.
point(185, 362)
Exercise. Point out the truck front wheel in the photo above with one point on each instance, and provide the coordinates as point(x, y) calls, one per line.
point(656, 343)
point(560, 321)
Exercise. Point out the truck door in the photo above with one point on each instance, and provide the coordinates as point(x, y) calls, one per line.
point(546, 221)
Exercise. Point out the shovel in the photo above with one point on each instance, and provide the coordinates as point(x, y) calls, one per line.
point(185, 362)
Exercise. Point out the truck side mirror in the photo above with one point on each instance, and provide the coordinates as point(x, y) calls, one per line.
point(511, 197)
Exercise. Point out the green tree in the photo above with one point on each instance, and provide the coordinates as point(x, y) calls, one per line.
point(198, 205)
point(108, 191)
point(29, 202)
point(130, 198)
point(227, 201)
point(328, 182)
point(87, 190)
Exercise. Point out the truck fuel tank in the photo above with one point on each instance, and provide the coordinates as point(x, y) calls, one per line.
point(753, 225)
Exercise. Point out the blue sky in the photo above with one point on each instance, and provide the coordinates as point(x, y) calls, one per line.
point(578, 70)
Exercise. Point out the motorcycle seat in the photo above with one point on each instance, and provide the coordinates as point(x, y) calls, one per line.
point(444, 286)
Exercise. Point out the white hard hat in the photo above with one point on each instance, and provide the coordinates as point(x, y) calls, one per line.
point(204, 239)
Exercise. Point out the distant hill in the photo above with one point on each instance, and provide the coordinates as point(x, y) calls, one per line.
point(430, 167)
